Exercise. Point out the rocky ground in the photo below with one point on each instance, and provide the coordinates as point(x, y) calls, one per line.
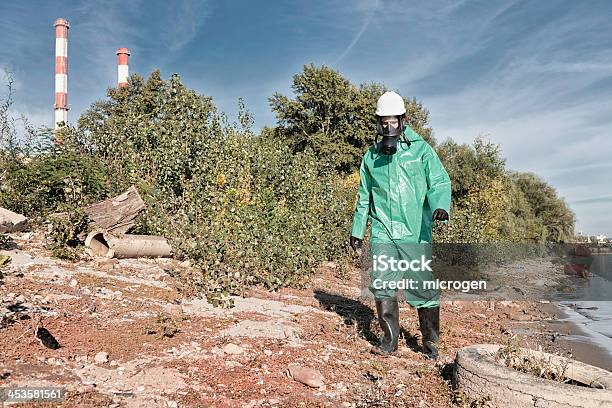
point(129, 337)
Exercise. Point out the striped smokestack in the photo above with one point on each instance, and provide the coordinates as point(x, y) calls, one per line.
point(61, 71)
point(122, 67)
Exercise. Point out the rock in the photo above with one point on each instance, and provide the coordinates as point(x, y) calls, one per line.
point(272, 329)
point(174, 310)
point(231, 348)
point(106, 264)
point(20, 299)
point(73, 283)
point(101, 357)
point(254, 403)
point(309, 376)
point(80, 359)
point(340, 387)
point(267, 352)
point(229, 364)
point(11, 221)
point(172, 404)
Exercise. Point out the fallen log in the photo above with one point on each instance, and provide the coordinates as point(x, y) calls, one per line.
point(11, 221)
point(111, 245)
point(116, 214)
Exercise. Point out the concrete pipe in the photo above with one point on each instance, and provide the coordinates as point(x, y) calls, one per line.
point(102, 243)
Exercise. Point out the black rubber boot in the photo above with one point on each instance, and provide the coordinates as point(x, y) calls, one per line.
point(429, 322)
point(388, 317)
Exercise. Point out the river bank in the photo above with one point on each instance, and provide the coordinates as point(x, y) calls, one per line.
point(589, 336)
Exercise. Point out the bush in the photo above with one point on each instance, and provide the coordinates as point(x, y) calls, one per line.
point(245, 209)
point(36, 177)
point(50, 181)
point(65, 231)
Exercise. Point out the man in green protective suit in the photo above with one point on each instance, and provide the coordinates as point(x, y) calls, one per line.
point(403, 189)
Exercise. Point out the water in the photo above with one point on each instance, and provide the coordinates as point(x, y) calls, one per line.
point(594, 314)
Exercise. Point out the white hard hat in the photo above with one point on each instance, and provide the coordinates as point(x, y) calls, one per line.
point(390, 104)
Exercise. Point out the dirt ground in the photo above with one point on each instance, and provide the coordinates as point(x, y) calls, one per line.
point(130, 338)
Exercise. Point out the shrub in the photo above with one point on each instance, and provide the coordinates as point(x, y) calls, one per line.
point(245, 209)
point(52, 180)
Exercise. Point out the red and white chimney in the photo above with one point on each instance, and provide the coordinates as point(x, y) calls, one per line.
point(122, 67)
point(61, 71)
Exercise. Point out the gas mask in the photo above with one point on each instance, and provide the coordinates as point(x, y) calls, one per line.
point(391, 129)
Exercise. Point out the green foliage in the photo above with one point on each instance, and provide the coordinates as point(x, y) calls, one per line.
point(244, 209)
point(51, 180)
point(65, 231)
point(151, 133)
point(494, 217)
point(37, 178)
point(334, 117)
point(6, 242)
point(551, 211)
point(493, 205)
point(471, 166)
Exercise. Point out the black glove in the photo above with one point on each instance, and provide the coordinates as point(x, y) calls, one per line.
point(440, 215)
point(355, 243)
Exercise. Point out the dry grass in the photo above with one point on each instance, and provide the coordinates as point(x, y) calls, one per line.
point(547, 367)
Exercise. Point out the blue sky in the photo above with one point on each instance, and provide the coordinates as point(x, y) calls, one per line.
point(533, 76)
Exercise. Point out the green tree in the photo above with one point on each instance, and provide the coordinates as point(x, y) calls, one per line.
point(334, 117)
point(471, 166)
point(490, 204)
point(552, 212)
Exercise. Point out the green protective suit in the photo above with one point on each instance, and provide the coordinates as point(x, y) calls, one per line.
point(399, 193)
